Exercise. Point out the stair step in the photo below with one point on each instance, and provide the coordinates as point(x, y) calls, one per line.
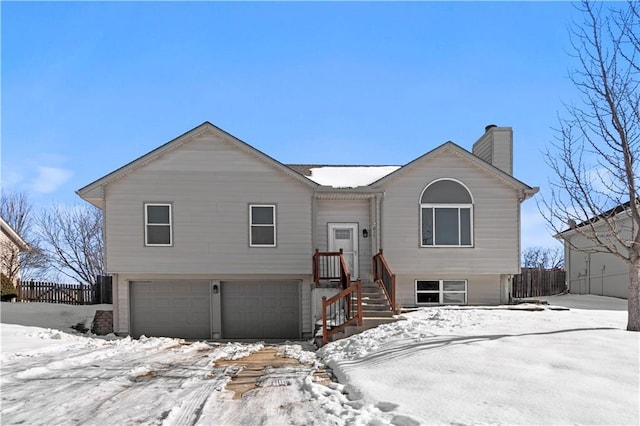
point(373, 313)
point(373, 296)
point(376, 308)
point(375, 301)
point(382, 304)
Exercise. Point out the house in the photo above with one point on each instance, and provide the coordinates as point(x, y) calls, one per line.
point(207, 237)
point(11, 245)
point(589, 270)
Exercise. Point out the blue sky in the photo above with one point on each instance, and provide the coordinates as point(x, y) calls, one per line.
point(88, 87)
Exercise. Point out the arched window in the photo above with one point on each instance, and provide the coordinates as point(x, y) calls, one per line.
point(446, 214)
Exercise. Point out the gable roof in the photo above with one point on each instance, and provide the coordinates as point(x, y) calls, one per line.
point(13, 235)
point(93, 191)
point(611, 213)
point(339, 177)
point(527, 190)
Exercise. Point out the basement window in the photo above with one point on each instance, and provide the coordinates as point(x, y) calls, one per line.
point(441, 292)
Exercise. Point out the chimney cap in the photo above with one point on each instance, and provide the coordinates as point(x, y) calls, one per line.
point(489, 126)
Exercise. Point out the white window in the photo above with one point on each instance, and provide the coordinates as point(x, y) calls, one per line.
point(262, 225)
point(446, 215)
point(441, 292)
point(157, 224)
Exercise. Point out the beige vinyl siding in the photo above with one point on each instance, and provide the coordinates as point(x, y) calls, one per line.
point(496, 148)
point(495, 221)
point(484, 149)
point(306, 308)
point(481, 289)
point(502, 153)
point(601, 274)
point(346, 211)
point(121, 316)
point(210, 185)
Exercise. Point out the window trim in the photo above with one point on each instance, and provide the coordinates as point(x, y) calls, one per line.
point(147, 224)
point(435, 206)
point(447, 206)
point(440, 292)
point(273, 225)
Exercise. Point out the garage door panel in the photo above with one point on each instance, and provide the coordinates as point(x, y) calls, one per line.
point(171, 308)
point(272, 303)
point(260, 309)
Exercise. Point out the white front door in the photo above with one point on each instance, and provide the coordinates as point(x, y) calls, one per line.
point(345, 236)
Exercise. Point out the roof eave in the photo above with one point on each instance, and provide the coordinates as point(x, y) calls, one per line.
point(14, 236)
point(178, 141)
point(453, 147)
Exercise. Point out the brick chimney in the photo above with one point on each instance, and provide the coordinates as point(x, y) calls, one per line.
point(496, 147)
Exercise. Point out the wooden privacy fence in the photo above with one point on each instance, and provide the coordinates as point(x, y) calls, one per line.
point(70, 294)
point(534, 282)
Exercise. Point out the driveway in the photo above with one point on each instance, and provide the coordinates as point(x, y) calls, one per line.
point(83, 380)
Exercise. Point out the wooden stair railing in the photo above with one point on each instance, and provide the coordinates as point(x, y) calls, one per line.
point(331, 265)
point(341, 311)
point(385, 278)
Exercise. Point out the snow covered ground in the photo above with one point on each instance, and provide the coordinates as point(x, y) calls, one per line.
point(443, 365)
point(468, 366)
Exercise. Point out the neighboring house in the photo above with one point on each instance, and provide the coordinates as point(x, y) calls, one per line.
point(590, 271)
point(11, 245)
point(207, 237)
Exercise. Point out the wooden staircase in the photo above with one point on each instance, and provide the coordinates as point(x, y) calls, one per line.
point(375, 311)
point(374, 302)
point(360, 306)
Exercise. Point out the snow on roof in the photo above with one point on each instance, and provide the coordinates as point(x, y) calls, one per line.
point(349, 176)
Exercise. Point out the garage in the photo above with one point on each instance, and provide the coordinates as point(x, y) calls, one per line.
point(260, 310)
point(171, 308)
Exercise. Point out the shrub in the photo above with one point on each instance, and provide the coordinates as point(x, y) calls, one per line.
point(7, 290)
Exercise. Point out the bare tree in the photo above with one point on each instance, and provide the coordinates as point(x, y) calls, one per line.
point(594, 194)
point(543, 257)
point(72, 239)
point(16, 210)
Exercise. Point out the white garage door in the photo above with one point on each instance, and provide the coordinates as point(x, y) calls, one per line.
point(171, 308)
point(261, 310)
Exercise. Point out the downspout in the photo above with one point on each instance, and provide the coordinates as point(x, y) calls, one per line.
point(567, 266)
point(588, 273)
point(510, 289)
point(104, 231)
point(314, 219)
point(378, 224)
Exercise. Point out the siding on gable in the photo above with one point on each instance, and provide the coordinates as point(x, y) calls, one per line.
point(332, 211)
point(496, 230)
point(210, 184)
